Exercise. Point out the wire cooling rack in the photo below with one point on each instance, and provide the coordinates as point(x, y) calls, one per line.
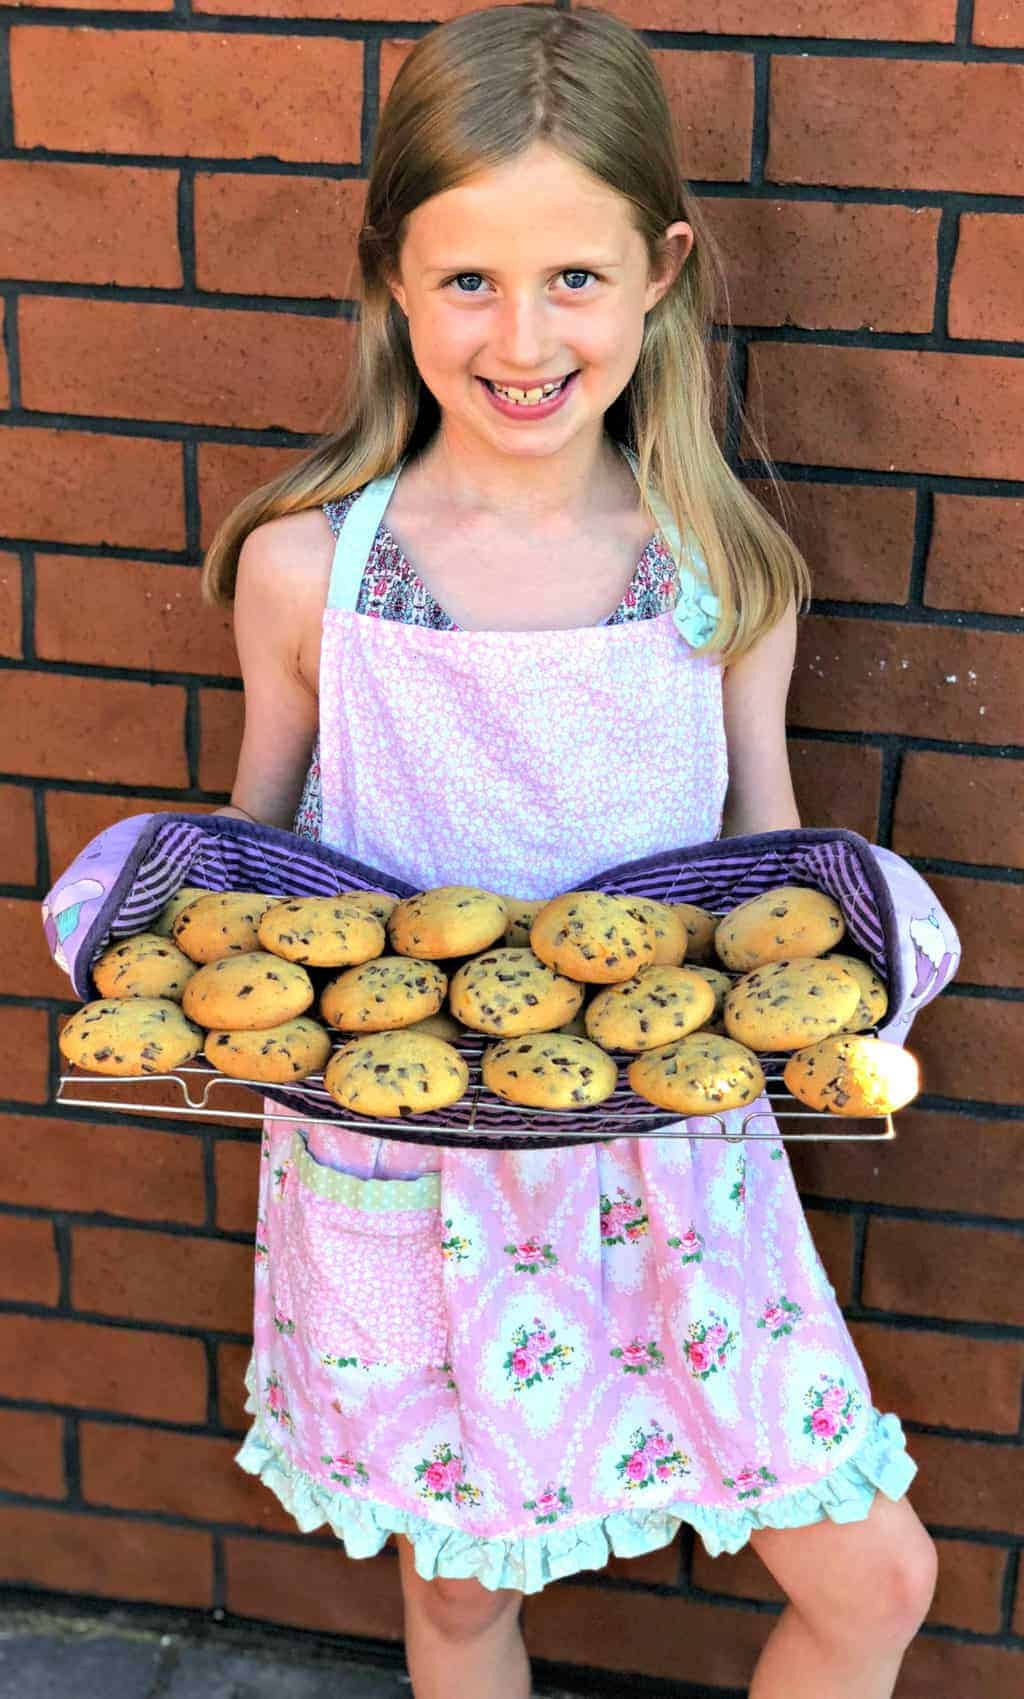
point(480, 1119)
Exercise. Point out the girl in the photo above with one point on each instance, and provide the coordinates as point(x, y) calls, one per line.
point(477, 650)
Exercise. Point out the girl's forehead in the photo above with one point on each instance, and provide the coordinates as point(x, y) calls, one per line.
point(525, 208)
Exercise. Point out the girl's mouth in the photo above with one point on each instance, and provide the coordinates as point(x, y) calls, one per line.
point(513, 409)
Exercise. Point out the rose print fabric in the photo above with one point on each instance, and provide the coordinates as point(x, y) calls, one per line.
point(527, 1361)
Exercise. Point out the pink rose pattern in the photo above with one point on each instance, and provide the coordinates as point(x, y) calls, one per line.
point(342, 1416)
point(533, 1356)
point(653, 1459)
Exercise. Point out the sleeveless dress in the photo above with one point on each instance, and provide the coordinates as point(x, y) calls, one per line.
point(526, 1361)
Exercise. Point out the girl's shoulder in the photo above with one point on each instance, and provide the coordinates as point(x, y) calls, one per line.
point(284, 574)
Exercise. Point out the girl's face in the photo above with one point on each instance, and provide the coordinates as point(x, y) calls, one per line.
point(521, 276)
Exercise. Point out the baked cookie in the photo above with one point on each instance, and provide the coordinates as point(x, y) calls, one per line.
point(790, 1004)
point(163, 925)
point(509, 991)
point(130, 1035)
point(380, 904)
point(449, 920)
point(874, 999)
point(698, 1075)
point(720, 983)
point(700, 933)
point(522, 913)
point(787, 921)
point(391, 991)
point(221, 923)
point(657, 1005)
point(146, 965)
point(593, 937)
point(669, 927)
point(853, 1075)
point(321, 932)
point(548, 1070)
point(247, 992)
point(441, 1025)
point(273, 1055)
point(389, 1074)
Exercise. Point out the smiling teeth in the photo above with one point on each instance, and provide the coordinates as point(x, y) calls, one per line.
point(528, 397)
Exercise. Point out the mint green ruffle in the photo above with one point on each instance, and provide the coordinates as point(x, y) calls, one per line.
point(530, 1562)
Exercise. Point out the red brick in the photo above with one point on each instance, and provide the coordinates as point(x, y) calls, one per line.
point(412, 11)
point(869, 20)
point(833, 1241)
point(983, 292)
point(712, 99)
point(157, 1375)
point(644, 1634)
point(162, 1277)
point(93, 1168)
point(970, 1586)
point(74, 818)
point(963, 1483)
point(32, 1453)
point(989, 916)
point(937, 1665)
point(837, 785)
point(276, 1581)
point(740, 1574)
point(960, 808)
point(187, 1475)
point(229, 471)
point(107, 1555)
point(236, 1171)
point(972, 1047)
point(921, 680)
point(895, 123)
point(857, 540)
point(232, 1361)
point(17, 835)
point(938, 1160)
point(826, 264)
point(221, 716)
point(124, 219)
point(80, 487)
point(5, 383)
point(10, 605)
point(128, 613)
point(887, 408)
point(28, 1261)
point(26, 967)
point(104, 5)
point(940, 1381)
point(657, 1568)
point(103, 730)
point(278, 235)
point(192, 364)
point(971, 555)
point(231, 96)
point(998, 23)
point(25, 1054)
point(937, 1269)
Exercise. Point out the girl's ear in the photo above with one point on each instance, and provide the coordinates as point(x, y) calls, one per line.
point(674, 251)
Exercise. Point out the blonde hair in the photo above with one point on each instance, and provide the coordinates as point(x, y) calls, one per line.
point(471, 95)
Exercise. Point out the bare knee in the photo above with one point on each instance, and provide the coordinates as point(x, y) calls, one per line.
point(456, 1610)
point(892, 1601)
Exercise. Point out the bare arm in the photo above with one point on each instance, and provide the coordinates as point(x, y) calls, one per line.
point(282, 582)
point(754, 689)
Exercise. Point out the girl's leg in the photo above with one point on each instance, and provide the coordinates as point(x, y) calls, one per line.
point(461, 1637)
point(858, 1592)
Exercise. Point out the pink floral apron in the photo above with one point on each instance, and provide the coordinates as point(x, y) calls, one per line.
point(527, 1361)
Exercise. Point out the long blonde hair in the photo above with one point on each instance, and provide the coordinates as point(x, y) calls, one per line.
point(471, 95)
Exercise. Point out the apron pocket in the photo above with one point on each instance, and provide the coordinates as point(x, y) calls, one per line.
point(359, 1265)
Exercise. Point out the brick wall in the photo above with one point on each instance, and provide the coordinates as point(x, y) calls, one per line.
point(179, 189)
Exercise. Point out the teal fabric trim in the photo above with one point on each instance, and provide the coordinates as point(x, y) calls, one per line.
point(423, 1192)
point(530, 1562)
point(697, 609)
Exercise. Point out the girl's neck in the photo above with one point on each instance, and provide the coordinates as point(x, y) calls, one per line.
point(551, 493)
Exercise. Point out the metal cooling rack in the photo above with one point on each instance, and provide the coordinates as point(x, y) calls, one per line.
point(622, 1115)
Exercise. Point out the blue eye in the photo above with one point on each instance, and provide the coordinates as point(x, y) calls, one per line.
point(459, 276)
